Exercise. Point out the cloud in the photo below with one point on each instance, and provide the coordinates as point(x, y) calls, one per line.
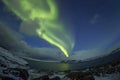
point(106, 48)
point(45, 54)
point(48, 26)
point(86, 54)
point(95, 19)
point(7, 38)
point(30, 27)
point(13, 42)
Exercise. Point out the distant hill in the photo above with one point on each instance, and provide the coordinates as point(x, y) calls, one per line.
point(113, 56)
point(97, 57)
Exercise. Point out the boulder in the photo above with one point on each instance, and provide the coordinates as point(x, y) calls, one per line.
point(15, 74)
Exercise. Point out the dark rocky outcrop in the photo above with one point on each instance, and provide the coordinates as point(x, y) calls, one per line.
point(79, 76)
point(45, 77)
point(55, 78)
point(15, 74)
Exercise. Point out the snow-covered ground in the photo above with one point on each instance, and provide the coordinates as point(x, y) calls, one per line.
point(12, 61)
point(114, 76)
point(9, 60)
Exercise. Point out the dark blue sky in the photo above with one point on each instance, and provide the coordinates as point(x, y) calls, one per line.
point(95, 23)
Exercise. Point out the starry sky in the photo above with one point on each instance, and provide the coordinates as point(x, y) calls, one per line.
point(95, 25)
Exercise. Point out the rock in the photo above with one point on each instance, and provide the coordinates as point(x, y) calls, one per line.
point(55, 78)
point(6, 78)
point(15, 74)
point(3, 65)
point(88, 77)
point(80, 76)
point(91, 78)
point(74, 75)
point(7, 59)
point(45, 77)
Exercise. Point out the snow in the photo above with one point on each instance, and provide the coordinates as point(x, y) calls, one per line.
point(114, 76)
point(7, 57)
point(13, 61)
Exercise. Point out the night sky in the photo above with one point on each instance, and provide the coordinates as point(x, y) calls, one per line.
point(95, 25)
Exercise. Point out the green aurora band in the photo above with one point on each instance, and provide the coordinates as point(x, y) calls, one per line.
point(45, 13)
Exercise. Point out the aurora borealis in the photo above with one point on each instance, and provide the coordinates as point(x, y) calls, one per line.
point(91, 27)
point(45, 15)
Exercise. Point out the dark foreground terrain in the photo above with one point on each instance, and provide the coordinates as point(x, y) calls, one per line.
point(15, 68)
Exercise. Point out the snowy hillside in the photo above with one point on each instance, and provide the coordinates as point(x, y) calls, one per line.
point(7, 58)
